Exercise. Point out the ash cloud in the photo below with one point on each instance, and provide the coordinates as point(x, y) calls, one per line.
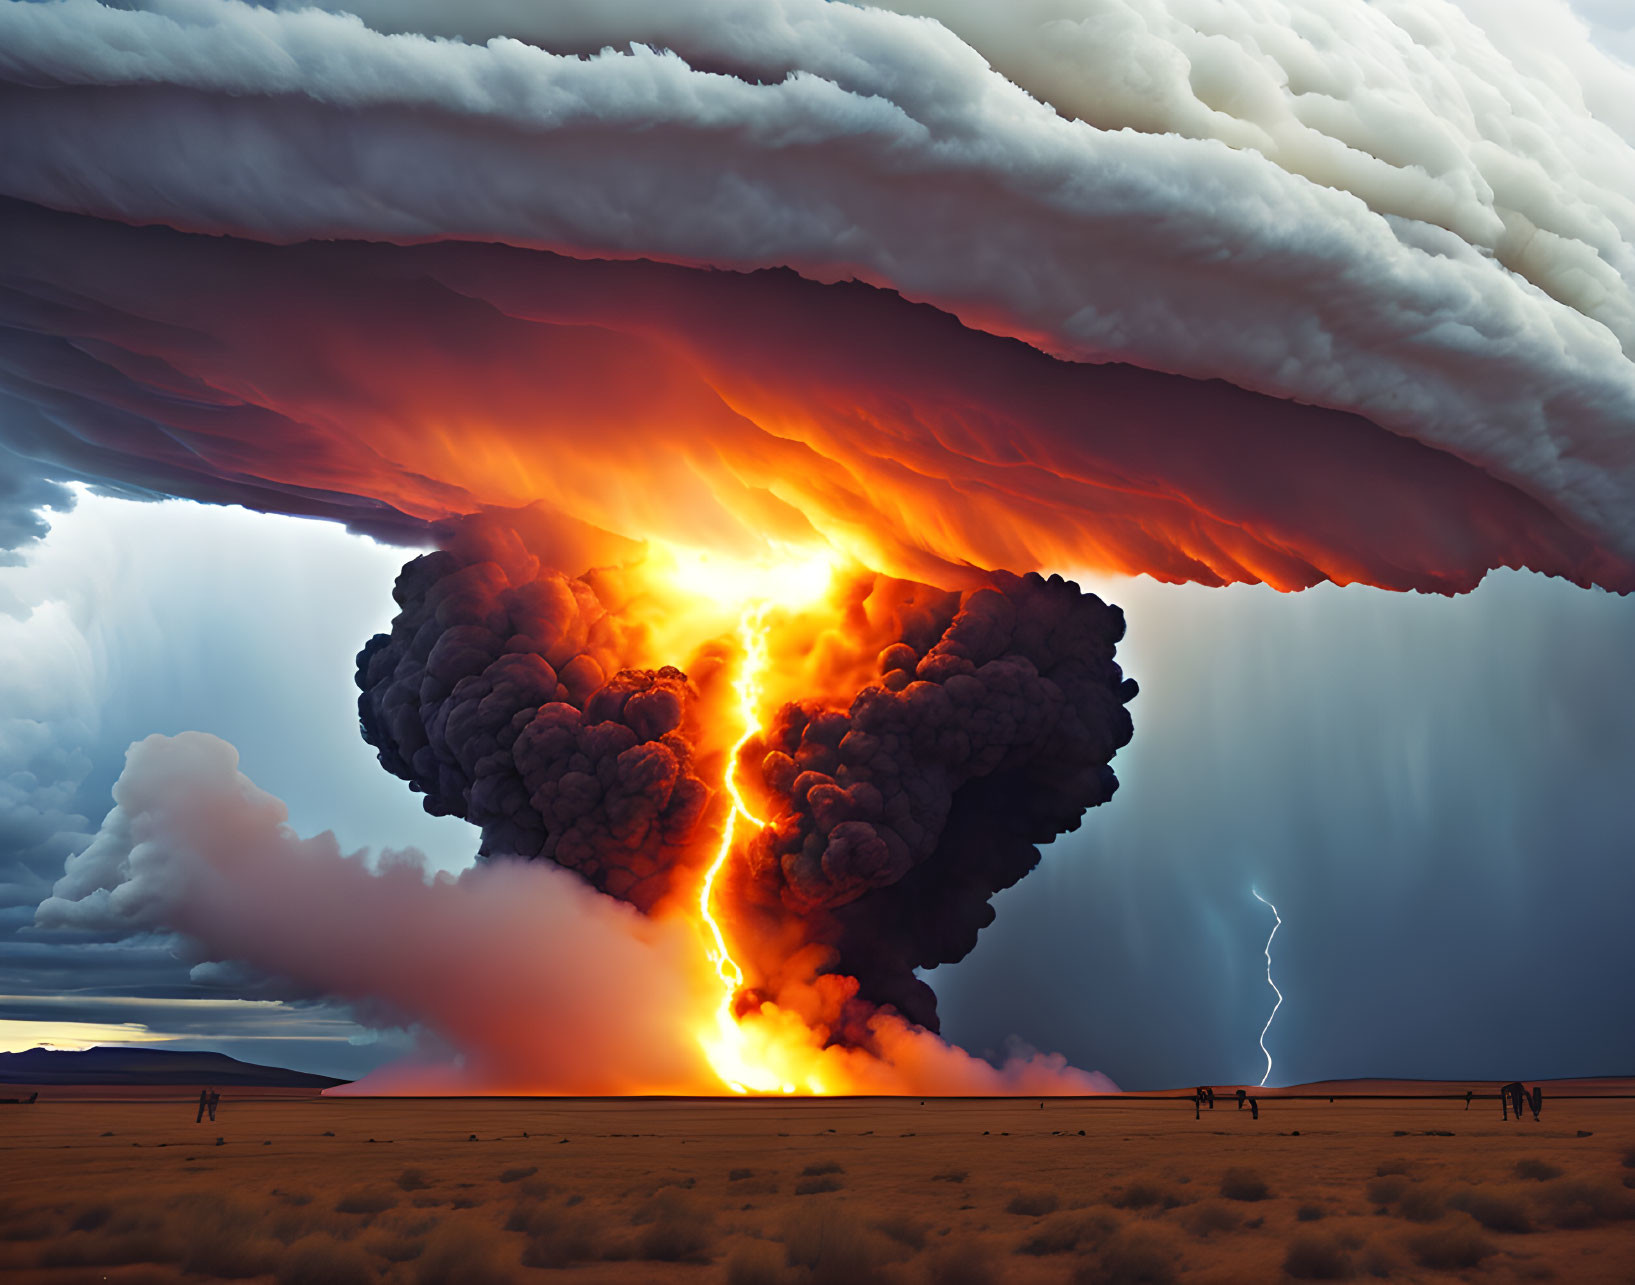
point(502, 695)
point(895, 820)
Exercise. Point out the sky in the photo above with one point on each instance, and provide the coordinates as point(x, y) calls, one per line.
point(1432, 790)
point(1306, 334)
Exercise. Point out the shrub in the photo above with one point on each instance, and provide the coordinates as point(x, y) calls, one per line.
point(1243, 1184)
point(1537, 1170)
point(965, 1263)
point(223, 1237)
point(678, 1230)
point(1451, 1249)
point(1034, 1204)
point(1421, 1205)
point(816, 1186)
point(368, 1201)
point(1629, 1157)
point(557, 1236)
point(461, 1254)
point(906, 1231)
point(1313, 1256)
point(1399, 1166)
point(518, 1174)
point(739, 1175)
point(1063, 1233)
point(1495, 1210)
point(951, 1175)
point(322, 1260)
point(820, 1167)
point(1143, 1193)
point(755, 1263)
point(412, 1180)
point(1582, 1202)
point(834, 1249)
point(1385, 1191)
point(91, 1217)
point(1128, 1258)
point(1210, 1216)
point(1310, 1213)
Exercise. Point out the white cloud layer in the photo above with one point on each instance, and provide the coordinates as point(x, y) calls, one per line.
point(1380, 207)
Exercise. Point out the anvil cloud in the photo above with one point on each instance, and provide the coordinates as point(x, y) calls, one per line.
point(1411, 246)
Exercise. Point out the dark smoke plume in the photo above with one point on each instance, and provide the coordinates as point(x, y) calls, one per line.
point(504, 693)
point(989, 732)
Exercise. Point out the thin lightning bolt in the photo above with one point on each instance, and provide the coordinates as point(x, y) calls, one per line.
point(1270, 983)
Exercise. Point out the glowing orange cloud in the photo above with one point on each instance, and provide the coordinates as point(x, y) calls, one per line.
point(713, 411)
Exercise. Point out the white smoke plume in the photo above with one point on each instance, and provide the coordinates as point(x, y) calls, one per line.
point(536, 982)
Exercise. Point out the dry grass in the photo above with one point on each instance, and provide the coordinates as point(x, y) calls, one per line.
point(1034, 1204)
point(951, 1175)
point(223, 1236)
point(962, 1263)
point(1064, 1233)
point(1143, 1193)
point(1421, 1204)
point(1452, 1248)
point(832, 1248)
point(1385, 1190)
point(906, 1230)
point(519, 1173)
point(1129, 1257)
point(557, 1235)
point(366, 1200)
point(755, 1263)
point(1497, 1209)
point(463, 1254)
point(1585, 1202)
point(1243, 1184)
point(1395, 1165)
point(1318, 1256)
point(1207, 1217)
point(677, 1229)
point(820, 1167)
point(322, 1260)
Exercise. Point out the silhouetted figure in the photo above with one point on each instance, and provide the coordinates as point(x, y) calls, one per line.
point(1538, 1100)
point(204, 1101)
point(215, 1101)
point(1514, 1095)
point(1243, 1096)
point(1254, 1108)
point(1469, 1094)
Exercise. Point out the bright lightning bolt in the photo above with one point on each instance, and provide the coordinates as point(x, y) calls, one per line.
point(1270, 983)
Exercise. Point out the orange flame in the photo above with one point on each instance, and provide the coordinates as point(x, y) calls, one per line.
point(726, 1046)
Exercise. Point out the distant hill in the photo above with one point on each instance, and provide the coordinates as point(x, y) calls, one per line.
point(148, 1066)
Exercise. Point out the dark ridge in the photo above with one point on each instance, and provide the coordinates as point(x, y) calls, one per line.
point(149, 1066)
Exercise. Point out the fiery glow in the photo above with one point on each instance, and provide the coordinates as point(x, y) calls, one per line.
point(726, 1046)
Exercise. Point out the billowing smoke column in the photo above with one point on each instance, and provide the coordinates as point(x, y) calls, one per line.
point(502, 694)
point(506, 692)
point(989, 732)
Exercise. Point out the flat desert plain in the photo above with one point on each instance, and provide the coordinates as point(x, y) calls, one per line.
point(98, 1186)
